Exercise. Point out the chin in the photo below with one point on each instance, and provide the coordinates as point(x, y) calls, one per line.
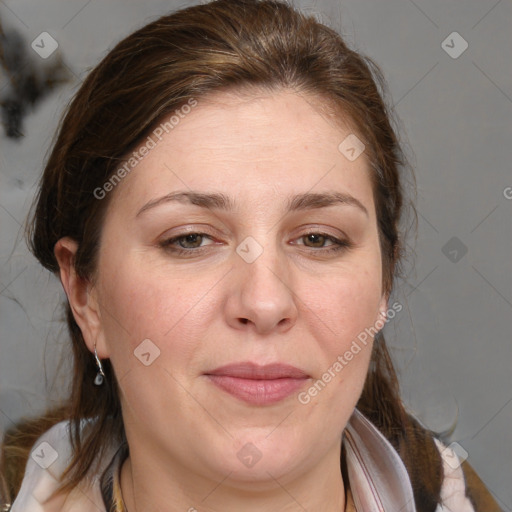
point(262, 459)
point(263, 476)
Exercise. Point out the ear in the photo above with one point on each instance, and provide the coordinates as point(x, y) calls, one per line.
point(383, 307)
point(82, 297)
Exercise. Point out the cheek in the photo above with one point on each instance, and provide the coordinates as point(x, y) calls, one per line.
point(346, 303)
point(346, 309)
point(141, 303)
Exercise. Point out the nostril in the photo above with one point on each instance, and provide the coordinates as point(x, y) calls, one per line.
point(244, 320)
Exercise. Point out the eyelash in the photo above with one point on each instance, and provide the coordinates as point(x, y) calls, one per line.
point(339, 245)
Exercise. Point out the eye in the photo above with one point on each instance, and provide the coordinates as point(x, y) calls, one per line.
point(317, 240)
point(185, 243)
point(189, 244)
point(190, 241)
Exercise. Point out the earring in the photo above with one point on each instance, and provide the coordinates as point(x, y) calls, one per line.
point(100, 376)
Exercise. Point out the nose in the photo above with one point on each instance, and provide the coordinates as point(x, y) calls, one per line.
point(261, 296)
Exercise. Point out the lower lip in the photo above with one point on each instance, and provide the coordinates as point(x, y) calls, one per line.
point(258, 392)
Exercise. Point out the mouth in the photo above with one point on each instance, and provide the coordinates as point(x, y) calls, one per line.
point(256, 384)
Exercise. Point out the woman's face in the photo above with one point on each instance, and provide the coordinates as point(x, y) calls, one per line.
point(220, 248)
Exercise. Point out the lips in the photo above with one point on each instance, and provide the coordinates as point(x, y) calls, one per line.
point(248, 370)
point(256, 384)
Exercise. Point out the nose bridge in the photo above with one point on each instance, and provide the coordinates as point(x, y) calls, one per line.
point(264, 295)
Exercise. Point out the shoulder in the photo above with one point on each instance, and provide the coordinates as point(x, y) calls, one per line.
point(462, 490)
point(453, 490)
point(49, 457)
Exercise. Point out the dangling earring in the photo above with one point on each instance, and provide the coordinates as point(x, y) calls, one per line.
point(100, 376)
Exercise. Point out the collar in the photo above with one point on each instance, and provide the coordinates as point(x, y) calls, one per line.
point(378, 479)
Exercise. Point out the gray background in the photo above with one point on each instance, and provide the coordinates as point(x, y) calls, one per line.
point(452, 341)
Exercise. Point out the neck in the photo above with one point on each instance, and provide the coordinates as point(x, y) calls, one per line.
point(318, 490)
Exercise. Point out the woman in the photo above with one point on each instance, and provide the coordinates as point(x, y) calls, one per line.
point(222, 207)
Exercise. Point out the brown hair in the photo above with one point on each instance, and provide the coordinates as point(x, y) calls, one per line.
point(225, 44)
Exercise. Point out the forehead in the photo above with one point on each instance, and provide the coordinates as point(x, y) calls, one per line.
point(241, 142)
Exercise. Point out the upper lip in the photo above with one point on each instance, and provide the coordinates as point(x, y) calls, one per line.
point(250, 370)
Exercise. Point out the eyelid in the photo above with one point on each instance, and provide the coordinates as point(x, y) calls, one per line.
point(199, 229)
point(306, 229)
point(338, 244)
point(169, 240)
point(329, 237)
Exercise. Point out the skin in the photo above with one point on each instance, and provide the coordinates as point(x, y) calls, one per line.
point(296, 303)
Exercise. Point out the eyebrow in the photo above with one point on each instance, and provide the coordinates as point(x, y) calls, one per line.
point(218, 201)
